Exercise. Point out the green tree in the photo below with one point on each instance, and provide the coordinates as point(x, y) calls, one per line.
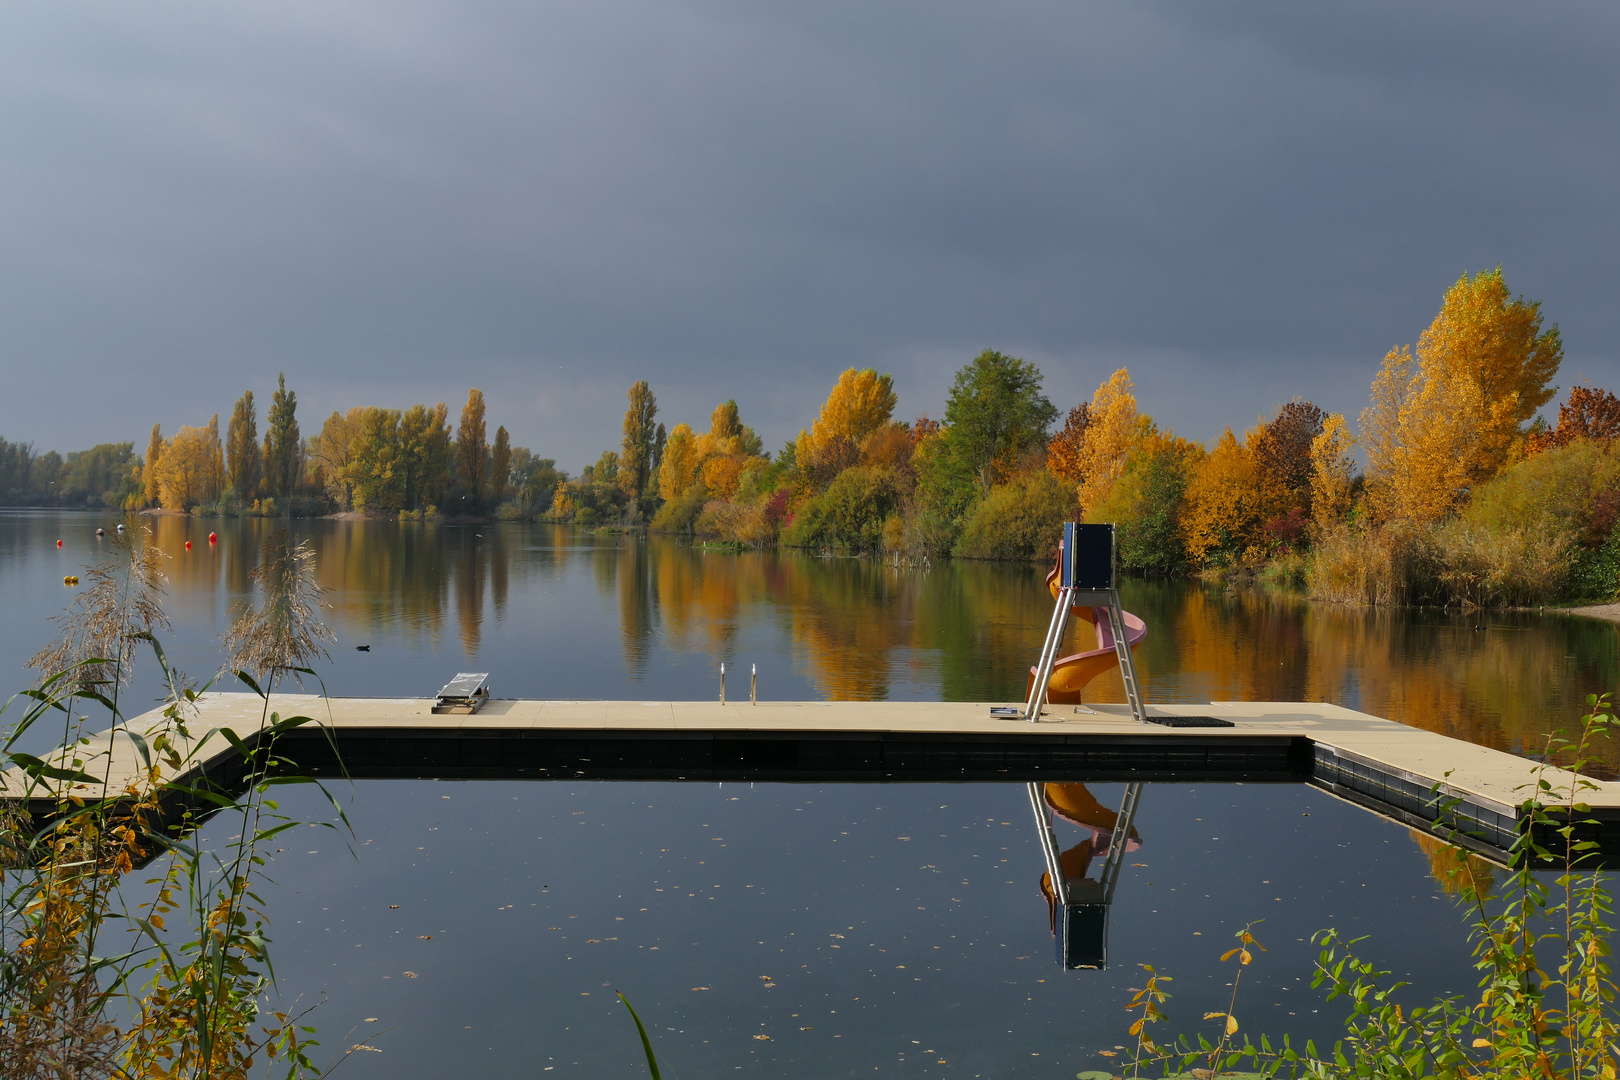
point(283, 445)
point(95, 475)
point(636, 460)
point(472, 451)
point(243, 460)
point(377, 474)
point(996, 414)
point(500, 465)
point(426, 454)
point(151, 478)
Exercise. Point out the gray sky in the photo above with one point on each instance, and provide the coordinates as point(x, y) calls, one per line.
point(393, 201)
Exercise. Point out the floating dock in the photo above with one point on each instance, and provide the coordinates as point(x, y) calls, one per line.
point(1470, 794)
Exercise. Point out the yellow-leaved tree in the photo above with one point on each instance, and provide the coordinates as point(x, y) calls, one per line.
point(1113, 426)
point(1453, 416)
point(1332, 471)
point(191, 469)
point(680, 464)
point(860, 403)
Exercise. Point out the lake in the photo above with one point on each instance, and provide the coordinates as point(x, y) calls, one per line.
point(807, 930)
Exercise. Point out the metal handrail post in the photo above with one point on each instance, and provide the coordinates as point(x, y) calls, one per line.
point(1049, 844)
point(1119, 839)
point(1049, 650)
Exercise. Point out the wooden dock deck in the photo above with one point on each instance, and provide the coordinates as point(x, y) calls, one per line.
point(1387, 767)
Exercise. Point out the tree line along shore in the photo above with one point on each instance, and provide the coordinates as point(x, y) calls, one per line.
point(1467, 495)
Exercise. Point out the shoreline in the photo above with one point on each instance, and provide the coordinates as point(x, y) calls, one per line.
point(1611, 612)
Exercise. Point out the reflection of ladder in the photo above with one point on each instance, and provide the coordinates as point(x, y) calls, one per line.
point(1085, 578)
point(1083, 927)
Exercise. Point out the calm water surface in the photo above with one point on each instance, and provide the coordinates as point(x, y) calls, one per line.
point(807, 930)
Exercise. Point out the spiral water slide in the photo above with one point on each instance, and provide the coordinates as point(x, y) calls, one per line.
point(1070, 674)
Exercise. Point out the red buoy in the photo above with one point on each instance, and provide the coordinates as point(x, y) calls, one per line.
point(188, 545)
point(59, 543)
point(213, 538)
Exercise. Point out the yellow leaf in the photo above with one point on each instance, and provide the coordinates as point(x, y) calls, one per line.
point(1227, 955)
point(1211, 1016)
point(1231, 1024)
point(1245, 957)
point(1482, 1042)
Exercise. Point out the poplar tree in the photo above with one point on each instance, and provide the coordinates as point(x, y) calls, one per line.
point(242, 453)
point(1450, 417)
point(151, 478)
point(636, 462)
point(500, 469)
point(283, 445)
point(472, 451)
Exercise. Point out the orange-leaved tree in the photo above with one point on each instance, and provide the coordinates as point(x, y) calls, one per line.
point(1454, 416)
point(1228, 504)
point(1590, 413)
point(1063, 450)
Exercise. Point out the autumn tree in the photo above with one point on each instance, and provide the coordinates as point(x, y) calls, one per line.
point(191, 470)
point(500, 465)
point(330, 455)
point(1332, 473)
point(1282, 450)
point(283, 445)
point(637, 464)
point(472, 451)
point(1224, 512)
point(150, 476)
point(680, 463)
point(1452, 416)
point(1113, 425)
point(1590, 413)
point(860, 402)
point(996, 415)
point(1146, 502)
point(425, 455)
point(243, 458)
point(1063, 449)
point(376, 473)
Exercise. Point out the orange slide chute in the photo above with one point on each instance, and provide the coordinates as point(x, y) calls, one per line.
point(1070, 674)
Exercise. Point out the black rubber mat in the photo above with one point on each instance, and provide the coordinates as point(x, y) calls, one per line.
point(1190, 721)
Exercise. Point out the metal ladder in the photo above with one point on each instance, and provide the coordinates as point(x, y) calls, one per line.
point(1069, 595)
point(1113, 859)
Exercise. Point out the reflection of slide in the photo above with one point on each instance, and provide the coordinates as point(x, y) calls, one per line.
point(1070, 674)
point(1076, 804)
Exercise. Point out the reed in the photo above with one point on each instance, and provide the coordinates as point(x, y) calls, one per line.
point(186, 995)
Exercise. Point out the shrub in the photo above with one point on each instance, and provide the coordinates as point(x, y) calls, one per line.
point(1595, 572)
point(738, 521)
point(680, 514)
point(1022, 520)
point(1549, 492)
point(1146, 502)
point(849, 515)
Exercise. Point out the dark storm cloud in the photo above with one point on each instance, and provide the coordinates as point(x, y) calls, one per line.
point(391, 202)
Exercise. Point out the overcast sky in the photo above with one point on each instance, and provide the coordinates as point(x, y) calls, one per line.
point(391, 202)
